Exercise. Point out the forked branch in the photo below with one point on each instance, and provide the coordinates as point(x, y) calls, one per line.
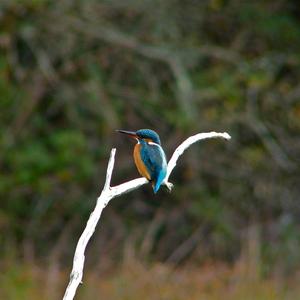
point(109, 193)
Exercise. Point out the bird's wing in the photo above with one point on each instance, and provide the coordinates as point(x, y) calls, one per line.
point(154, 158)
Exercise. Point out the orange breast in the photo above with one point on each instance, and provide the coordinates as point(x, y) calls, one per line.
point(139, 163)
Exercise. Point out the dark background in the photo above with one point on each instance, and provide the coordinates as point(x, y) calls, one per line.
point(71, 72)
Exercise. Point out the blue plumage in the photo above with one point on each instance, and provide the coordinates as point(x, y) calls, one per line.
point(154, 159)
point(148, 134)
point(149, 156)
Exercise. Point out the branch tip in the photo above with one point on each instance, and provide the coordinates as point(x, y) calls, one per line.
point(110, 168)
point(226, 136)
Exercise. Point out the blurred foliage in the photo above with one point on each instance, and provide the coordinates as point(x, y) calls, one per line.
point(71, 72)
point(135, 281)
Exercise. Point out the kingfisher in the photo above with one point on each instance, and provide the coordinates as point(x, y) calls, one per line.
point(149, 156)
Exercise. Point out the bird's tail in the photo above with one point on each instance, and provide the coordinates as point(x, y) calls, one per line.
point(155, 187)
point(156, 184)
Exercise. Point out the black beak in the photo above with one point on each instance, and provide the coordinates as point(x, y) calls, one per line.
point(130, 133)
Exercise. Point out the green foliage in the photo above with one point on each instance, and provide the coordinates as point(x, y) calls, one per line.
point(17, 285)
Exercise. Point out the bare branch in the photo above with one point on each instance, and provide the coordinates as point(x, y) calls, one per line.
point(109, 193)
point(187, 143)
point(110, 168)
point(78, 261)
point(128, 186)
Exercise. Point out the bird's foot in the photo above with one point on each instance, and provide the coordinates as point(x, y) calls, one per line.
point(169, 185)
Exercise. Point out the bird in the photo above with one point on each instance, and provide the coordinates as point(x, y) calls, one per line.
point(149, 156)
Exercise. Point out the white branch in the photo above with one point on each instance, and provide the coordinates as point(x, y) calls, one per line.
point(187, 143)
point(109, 193)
